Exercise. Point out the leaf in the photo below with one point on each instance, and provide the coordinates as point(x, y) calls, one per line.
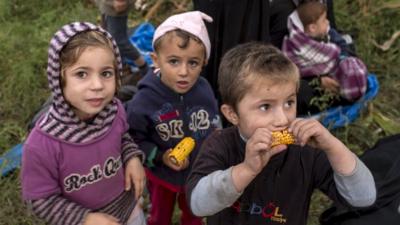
point(389, 126)
point(391, 5)
point(386, 46)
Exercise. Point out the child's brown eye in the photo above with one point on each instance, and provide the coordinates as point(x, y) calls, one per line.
point(81, 74)
point(290, 103)
point(173, 62)
point(107, 74)
point(193, 63)
point(265, 107)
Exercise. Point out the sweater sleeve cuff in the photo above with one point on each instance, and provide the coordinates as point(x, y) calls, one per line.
point(130, 155)
point(358, 188)
point(130, 149)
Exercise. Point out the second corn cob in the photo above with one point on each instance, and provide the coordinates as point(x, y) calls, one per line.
point(182, 150)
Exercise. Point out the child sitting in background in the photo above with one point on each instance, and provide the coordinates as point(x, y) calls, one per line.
point(309, 45)
point(239, 177)
point(173, 102)
point(79, 164)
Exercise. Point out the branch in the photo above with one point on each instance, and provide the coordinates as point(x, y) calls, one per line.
point(153, 10)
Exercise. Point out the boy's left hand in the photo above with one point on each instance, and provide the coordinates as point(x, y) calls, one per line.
point(313, 133)
point(134, 174)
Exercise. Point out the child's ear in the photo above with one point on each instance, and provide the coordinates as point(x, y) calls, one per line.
point(154, 57)
point(311, 28)
point(230, 114)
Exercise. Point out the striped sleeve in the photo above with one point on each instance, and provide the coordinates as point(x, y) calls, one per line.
point(130, 149)
point(56, 210)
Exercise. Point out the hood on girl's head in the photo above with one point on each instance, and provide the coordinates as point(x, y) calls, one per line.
point(60, 121)
point(57, 43)
point(191, 22)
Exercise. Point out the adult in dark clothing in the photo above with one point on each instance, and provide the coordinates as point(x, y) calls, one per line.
point(115, 18)
point(234, 22)
point(241, 21)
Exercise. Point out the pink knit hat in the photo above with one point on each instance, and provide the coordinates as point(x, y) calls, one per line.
point(191, 22)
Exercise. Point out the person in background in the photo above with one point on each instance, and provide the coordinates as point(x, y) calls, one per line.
point(242, 176)
point(114, 18)
point(237, 22)
point(320, 52)
point(173, 102)
point(234, 22)
point(80, 165)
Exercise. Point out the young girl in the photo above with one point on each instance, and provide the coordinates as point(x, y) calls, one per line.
point(79, 165)
point(172, 103)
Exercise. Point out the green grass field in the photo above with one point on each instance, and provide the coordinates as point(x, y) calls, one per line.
point(27, 26)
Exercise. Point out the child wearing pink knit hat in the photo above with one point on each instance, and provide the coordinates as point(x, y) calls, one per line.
point(191, 22)
point(173, 102)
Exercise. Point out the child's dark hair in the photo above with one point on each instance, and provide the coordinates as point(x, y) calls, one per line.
point(183, 35)
point(309, 12)
point(244, 64)
point(79, 43)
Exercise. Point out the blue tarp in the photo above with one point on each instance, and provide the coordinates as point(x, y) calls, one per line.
point(341, 116)
point(142, 38)
point(11, 159)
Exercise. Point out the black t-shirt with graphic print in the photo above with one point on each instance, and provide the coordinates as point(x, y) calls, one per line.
point(280, 194)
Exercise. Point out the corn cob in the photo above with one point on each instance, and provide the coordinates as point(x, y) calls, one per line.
point(181, 150)
point(282, 138)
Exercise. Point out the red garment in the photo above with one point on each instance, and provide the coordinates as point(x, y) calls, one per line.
point(163, 203)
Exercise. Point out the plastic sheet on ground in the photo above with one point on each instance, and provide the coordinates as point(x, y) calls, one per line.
point(341, 116)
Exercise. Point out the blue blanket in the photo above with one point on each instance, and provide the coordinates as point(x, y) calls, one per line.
point(11, 159)
point(343, 115)
point(142, 38)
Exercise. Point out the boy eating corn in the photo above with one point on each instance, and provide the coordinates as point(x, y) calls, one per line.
point(243, 176)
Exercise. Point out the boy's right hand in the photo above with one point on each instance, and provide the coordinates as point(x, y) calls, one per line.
point(100, 219)
point(259, 151)
point(173, 166)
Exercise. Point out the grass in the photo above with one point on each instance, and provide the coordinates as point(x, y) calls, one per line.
point(27, 26)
